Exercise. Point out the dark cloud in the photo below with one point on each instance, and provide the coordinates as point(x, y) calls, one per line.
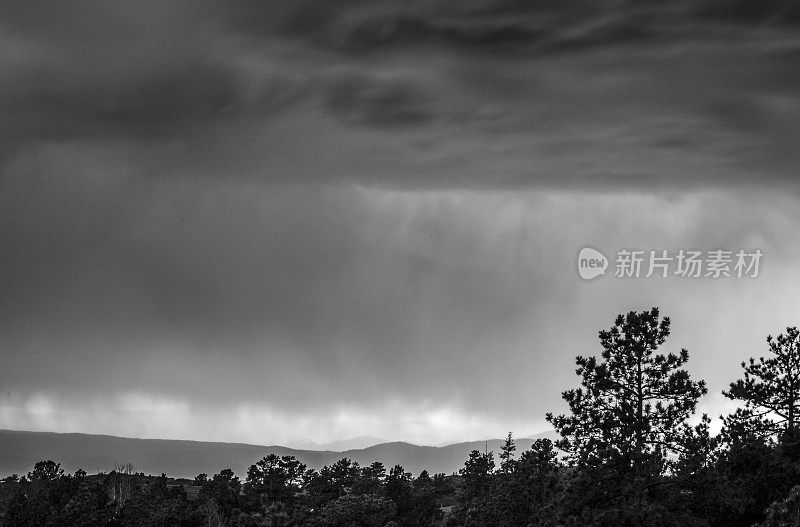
point(379, 103)
point(277, 91)
point(294, 209)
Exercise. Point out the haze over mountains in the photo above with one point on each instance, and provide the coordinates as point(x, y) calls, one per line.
point(19, 451)
point(338, 446)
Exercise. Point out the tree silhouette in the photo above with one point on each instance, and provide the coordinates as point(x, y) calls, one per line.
point(224, 489)
point(631, 403)
point(274, 479)
point(507, 454)
point(770, 391)
point(476, 474)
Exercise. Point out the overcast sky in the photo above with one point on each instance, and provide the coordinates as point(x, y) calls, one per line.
point(266, 221)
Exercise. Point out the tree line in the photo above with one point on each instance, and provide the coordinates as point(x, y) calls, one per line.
point(632, 452)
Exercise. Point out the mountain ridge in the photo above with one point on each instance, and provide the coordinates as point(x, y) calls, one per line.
point(339, 445)
point(20, 450)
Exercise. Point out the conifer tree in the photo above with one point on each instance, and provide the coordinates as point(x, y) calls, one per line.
point(770, 391)
point(632, 400)
point(507, 454)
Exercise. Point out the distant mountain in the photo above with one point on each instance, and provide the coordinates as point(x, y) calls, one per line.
point(337, 446)
point(94, 453)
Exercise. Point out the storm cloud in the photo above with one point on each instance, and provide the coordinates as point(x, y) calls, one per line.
point(262, 221)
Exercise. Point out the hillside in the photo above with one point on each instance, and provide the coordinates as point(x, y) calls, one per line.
point(20, 450)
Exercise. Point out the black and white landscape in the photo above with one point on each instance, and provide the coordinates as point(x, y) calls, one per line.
point(383, 230)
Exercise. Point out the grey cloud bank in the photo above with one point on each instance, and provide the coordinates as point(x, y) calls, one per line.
point(302, 221)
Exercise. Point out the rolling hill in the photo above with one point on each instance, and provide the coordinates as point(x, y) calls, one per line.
point(337, 446)
point(179, 458)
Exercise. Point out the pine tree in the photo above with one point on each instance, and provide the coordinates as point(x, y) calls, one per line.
point(632, 401)
point(476, 474)
point(507, 454)
point(770, 391)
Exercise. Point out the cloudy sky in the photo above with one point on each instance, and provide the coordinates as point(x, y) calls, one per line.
point(267, 221)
